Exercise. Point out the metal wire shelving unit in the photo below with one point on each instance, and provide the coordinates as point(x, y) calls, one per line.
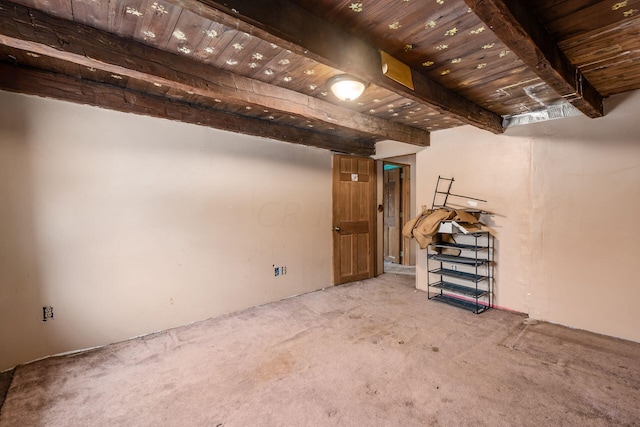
point(464, 280)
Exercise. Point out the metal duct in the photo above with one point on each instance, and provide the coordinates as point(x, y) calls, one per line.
point(552, 112)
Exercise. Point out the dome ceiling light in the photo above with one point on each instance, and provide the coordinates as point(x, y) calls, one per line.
point(346, 87)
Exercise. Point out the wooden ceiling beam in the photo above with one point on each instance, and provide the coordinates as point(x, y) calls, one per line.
point(290, 26)
point(517, 27)
point(66, 88)
point(33, 31)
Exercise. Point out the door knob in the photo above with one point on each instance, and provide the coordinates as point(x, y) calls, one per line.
point(338, 229)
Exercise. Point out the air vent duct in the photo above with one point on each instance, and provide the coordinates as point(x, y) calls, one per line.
point(551, 112)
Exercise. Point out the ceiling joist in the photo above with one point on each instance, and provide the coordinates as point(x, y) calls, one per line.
point(66, 88)
point(519, 29)
point(33, 31)
point(288, 25)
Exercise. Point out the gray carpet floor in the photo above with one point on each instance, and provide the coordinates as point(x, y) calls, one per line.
point(371, 353)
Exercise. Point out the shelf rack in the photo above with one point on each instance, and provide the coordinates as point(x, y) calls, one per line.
point(463, 280)
point(443, 192)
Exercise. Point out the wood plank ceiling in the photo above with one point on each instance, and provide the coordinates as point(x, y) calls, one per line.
point(262, 68)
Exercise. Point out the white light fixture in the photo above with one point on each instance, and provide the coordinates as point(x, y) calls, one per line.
point(346, 87)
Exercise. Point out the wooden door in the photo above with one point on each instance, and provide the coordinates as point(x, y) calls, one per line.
point(392, 207)
point(354, 219)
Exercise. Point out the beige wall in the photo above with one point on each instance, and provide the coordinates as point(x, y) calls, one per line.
point(495, 169)
point(564, 193)
point(128, 225)
point(586, 179)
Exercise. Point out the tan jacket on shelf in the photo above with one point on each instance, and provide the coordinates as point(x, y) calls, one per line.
point(424, 227)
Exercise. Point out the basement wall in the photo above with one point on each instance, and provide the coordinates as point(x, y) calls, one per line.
point(127, 225)
point(565, 193)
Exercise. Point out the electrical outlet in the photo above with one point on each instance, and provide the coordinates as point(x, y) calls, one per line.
point(279, 271)
point(47, 313)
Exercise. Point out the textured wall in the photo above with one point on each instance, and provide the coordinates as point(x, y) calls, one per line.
point(586, 182)
point(565, 193)
point(495, 169)
point(128, 225)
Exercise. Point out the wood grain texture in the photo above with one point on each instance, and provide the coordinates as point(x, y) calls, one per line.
point(298, 45)
point(354, 215)
point(518, 28)
point(57, 86)
point(36, 32)
point(292, 27)
point(601, 38)
point(391, 223)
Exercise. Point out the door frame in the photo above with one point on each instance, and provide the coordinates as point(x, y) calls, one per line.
point(405, 208)
point(392, 213)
